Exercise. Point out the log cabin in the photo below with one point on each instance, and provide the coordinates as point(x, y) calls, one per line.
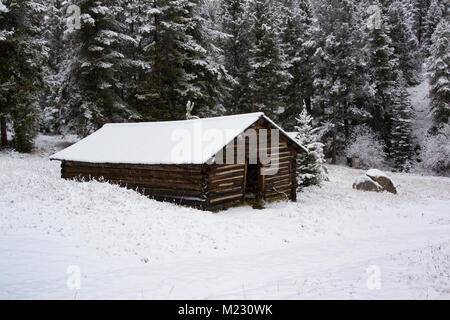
point(210, 163)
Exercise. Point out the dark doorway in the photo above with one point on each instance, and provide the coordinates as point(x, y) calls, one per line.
point(251, 182)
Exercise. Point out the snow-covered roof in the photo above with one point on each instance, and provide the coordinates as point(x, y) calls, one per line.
point(167, 142)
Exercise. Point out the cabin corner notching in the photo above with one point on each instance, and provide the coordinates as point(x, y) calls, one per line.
point(141, 156)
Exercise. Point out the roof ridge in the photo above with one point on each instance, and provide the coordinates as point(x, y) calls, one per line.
point(179, 121)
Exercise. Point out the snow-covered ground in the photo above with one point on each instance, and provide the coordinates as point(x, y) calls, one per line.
point(335, 242)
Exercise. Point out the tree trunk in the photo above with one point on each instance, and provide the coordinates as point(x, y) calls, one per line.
point(308, 104)
point(4, 133)
point(253, 103)
point(333, 160)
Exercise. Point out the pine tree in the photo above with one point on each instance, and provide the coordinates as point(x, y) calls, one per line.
point(236, 47)
point(404, 41)
point(4, 57)
point(401, 141)
point(299, 48)
point(21, 57)
point(439, 73)
point(340, 79)
point(268, 66)
point(213, 36)
point(134, 17)
point(92, 88)
point(434, 15)
point(311, 168)
point(55, 67)
point(384, 71)
point(181, 67)
point(419, 9)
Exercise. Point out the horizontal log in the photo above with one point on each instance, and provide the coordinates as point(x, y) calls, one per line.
point(217, 200)
point(114, 172)
point(196, 203)
point(224, 184)
point(182, 168)
point(215, 178)
point(277, 177)
point(162, 191)
point(234, 180)
point(221, 205)
point(146, 182)
point(227, 172)
point(138, 179)
point(275, 171)
point(278, 183)
point(280, 187)
point(223, 167)
point(223, 193)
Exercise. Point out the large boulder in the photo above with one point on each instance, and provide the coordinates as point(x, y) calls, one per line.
point(365, 183)
point(382, 179)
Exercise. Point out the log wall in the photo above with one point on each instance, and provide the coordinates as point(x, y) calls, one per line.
point(279, 176)
point(226, 182)
point(225, 185)
point(183, 184)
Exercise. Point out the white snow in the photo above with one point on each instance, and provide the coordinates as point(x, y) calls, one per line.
point(128, 246)
point(362, 179)
point(3, 8)
point(376, 173)
point(169, 142)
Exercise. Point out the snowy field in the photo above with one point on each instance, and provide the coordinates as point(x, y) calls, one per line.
point(335, 242)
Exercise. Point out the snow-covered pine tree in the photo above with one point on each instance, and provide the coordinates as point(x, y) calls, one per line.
point(311, 168)
point(436, 11)
point(213, 36)
point(299, 49)
point(401, 131)
point(339, 76)
point(419, 9)
point(133, 17)
point(383, 68)
point(404, 41)
point(92, 88)
point(439, 73)
point(3, 75)
point(236, 47)
point(269, 74)
point(181, 67)
point(22, 52)
point(55, 66)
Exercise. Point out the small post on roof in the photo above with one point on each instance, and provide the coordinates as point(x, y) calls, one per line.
point(189, 107)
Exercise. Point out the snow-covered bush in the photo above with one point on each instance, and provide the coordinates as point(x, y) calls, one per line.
point(310, 166)
point(367, 146)
point(436, 151)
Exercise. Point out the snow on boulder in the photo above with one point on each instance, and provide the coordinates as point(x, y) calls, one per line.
point(382, 179)
point(365, 183)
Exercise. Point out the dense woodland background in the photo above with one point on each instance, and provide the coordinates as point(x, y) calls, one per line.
point(143, 60)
